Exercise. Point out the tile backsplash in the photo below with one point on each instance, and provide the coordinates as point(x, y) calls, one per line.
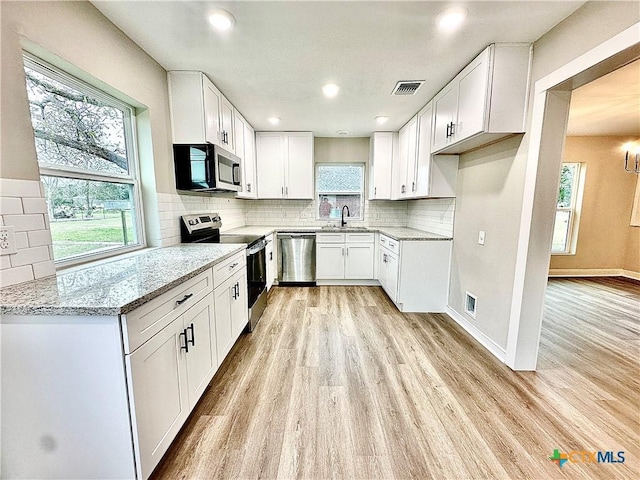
point(23, 206)
point(433, 215)
point(303, 213)
point(171, 206)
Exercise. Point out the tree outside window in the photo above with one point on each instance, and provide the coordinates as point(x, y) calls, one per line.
point(85, 148)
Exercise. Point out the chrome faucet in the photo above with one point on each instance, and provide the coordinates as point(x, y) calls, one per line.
point(342, 222)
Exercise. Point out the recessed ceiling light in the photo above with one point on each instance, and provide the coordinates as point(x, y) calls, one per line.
point(381, 120)
point(274, 120)
point(222, 20)
point(451, 18)
point(342, 132)
point(330, 90)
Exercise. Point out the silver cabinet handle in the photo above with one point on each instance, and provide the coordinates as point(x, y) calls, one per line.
point(184, 299)
point(392, 245)
point(404, 189)
point(375, 191)
point(232, 266)
point(347, 251)
point(248, 187)
point(286, 191)
point(413, 186)
point(282, 190)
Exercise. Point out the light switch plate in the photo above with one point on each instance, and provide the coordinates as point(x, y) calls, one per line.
point(7, 240)
point(481, 236)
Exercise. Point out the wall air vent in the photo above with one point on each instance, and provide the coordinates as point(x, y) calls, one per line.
point(471, 304)
point(407, 87)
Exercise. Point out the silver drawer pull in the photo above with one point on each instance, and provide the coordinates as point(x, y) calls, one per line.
point(392, 245)
point(232, 266)
point(184, 299)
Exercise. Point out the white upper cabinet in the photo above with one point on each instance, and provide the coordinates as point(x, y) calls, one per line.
point(238, 134)
point(249, 189)
point(226, 126)
point(417, 173)
point(284, 165)
point(486, 101)
point(381, 153)
point(200, 113)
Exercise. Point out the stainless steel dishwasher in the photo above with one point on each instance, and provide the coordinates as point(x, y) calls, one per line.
point(296, 257)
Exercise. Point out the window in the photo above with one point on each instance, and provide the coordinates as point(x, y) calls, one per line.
point(565, 229)
point(85, 147)
point(339, 184)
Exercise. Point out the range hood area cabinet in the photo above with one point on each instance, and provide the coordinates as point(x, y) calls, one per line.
point(485, 102)
point(200, 113)
point(416, 172)
point(284, 165)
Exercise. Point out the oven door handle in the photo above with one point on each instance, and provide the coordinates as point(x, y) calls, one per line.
point(256, 248)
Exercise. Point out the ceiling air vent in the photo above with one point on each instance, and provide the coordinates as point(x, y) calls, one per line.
point(407, 87)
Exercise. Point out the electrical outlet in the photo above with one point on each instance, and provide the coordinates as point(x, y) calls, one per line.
point(7, 241)
point(481, 236)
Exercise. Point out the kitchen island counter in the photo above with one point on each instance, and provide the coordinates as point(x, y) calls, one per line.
point(115, 286)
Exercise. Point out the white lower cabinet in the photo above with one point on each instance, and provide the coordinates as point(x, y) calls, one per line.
point(345, 256)
point(231, 312)
point(271, 269)
point(415, 274)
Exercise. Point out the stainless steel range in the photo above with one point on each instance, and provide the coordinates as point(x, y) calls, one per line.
point(205, 228)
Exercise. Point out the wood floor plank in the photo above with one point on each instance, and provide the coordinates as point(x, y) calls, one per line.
point(336, 383)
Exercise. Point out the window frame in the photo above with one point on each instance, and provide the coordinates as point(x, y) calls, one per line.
point(69, 172)
point(318, 194)
point(577, 190)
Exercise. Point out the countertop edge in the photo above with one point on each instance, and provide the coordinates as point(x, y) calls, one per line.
point(270, 229)
point(104, 311)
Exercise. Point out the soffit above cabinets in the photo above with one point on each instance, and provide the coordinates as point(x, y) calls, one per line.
point(279, 54)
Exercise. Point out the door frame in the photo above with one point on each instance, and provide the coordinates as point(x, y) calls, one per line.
point(550, 110)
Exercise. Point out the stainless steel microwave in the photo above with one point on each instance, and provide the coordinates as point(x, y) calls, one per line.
point(206, 167)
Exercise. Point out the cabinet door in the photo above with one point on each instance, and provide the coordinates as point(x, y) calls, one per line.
point(270, 164)
point(422, 171)
point(238, 135)
point(359, 261)
point(445, 107)
point(412, 150)
point(330, 261)
point(399, 171)
point(380, 161)
point(223, 311)
point(249, 165)
point(212, 99)
point(472, 97)
point(202, 360)
point(382, 268)
point(393, 275)
point(299, 180)
point(240, 304)
point(271, 262)
point(160, 394)
point(226, 124)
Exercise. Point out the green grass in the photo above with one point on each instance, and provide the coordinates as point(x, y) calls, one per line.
point(76, 236)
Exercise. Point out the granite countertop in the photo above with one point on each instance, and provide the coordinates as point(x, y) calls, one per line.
point(398, 233)
point(116, 286)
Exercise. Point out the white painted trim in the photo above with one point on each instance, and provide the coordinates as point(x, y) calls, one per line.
point(609, 48)
point(347, 283)
point(593, 272)
point(625, 39)
point(497, 351)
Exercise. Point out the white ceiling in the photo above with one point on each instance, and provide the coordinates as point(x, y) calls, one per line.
point(280, 53)
point(609, 105)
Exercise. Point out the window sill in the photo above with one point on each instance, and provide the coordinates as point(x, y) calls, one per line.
point(118, 254)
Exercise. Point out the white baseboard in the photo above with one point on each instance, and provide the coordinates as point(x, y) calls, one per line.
point(593, 272)
point(349, 283)
point(497, 351)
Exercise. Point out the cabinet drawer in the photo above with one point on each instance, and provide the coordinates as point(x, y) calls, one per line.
point(144, 322)
point(390, 244)
point(361, 237)
point(228, 267)
point(329, 237)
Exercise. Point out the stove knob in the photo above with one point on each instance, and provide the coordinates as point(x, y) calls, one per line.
point(193, 221)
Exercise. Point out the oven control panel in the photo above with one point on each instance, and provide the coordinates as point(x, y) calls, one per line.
point(201, 221)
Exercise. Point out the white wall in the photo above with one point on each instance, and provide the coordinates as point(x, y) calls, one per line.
point(490, 270)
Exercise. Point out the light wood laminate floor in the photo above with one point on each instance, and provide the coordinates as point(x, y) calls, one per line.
point(336, 383)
